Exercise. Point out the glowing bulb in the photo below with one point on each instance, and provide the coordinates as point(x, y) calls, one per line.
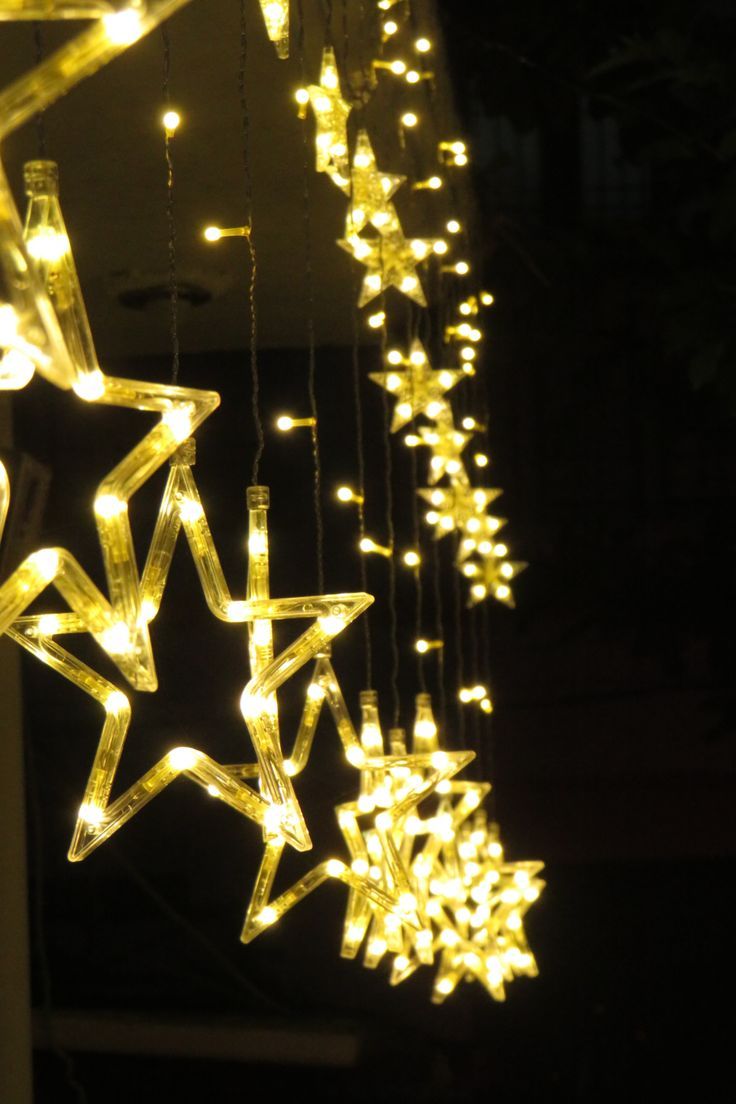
point(384, 822)
point(409, 119)
point(284, 423)
point(123, 27)
point(183, 758)
point(332, 624)
point(390, 27)
point(412, 559)
point(171, 120)
point(302, 97)
point(91, 814)
point(440, 247)
point(355, 756)
point(213, 233)
point(454, 227)
point(445, 986)
point(90, 386)
point(486, 298)
point(462, 268)
point(335, 868)
point(422, 646)
point(481, 460)
point(267, 916)
point(434, 182)
point(423, 45)
point(394, 357)
point(375, 321)
point(109, 506)
point(398, 67)
point(116, 702)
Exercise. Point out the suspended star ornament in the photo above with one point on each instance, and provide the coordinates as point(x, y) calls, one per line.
point(492, 574)
point(391, 261)
point(331, 116)
point(457, 508)
point(370, 192)
point(120, 624)
point(446, 443)
point(417, 387)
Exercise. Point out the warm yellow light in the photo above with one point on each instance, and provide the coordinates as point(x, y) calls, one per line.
point(409, 119)
point(486, 298)
point(375, 321)
point(423, 45)
point(123, 28)
point(171, 120)
point(412, 558)
point(302, 96)
point(212, 233)
point(347, 494)
point(285, 422)
point(390, 27)
point(454, 227)
point(398, 67)
point(480, 459)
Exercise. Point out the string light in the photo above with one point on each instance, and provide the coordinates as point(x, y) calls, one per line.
point(171, 120)
point(347, 494)
point(368, 545)
point(423, 646)
point(432, 183)
point(215, 233)
point(409, 120)
point(411, 558)
point(285, 422)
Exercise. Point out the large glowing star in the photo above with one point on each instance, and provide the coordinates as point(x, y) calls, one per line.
point(417, 387)
point(120, 624)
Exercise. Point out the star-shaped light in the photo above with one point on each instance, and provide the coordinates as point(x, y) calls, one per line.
point(370, 192)
point(457, 507)
point(492, 574)
point(481, 538)
point(391, 261)
point(331, 116)
point(397, 783)
point(416, 386)
point(120, 625)
point(446, 443)
point(276, 18)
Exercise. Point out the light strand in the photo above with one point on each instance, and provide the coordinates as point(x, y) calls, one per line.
point(252, 314)
point(170, 220)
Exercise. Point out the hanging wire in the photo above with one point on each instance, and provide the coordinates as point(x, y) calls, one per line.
point(170, 220)
point(245, 133)
point(390, 536)
point(439, 630)
point(359, 443)
point(418, 589)
point(475, 722)
point(459, 657)
point(311, 349)
point(487, 754)
point(38, 46)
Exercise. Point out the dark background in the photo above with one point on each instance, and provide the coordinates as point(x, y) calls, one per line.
point(604, 140)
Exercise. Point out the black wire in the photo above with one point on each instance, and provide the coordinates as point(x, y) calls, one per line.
point(476, 713)
point(245, 133)
point(440, 631)
point(418, 590)
point(459, 658)
point(39, 925)
point(38, 44)
point(391, 538)
point(311, 349)
point(170, 220)
point(488, 745)
point(359, 441)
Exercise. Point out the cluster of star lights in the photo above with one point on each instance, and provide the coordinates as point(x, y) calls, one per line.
point(425, 873)
point(374, 236)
